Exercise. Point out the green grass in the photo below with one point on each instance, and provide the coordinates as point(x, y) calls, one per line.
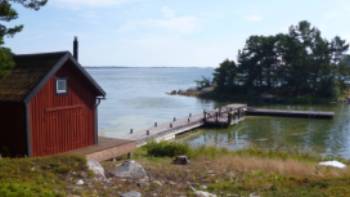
point(240, 173)
point(172, 149)
point(29, 177)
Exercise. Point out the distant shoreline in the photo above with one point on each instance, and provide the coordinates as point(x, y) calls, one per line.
point(128, 67)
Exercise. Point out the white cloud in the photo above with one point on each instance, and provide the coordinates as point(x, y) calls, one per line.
point(168, 21)
point(168, 12)
point(83, 3)
point(254, 18)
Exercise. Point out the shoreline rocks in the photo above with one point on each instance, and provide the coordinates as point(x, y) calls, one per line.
point(129, 170)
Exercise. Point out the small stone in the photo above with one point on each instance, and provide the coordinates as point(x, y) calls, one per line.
point(131, 194)
point(142, 182)
point(181, 160)
point(80, 182)
point(204, 187)
point(254, 195)
point(158, 183)
point(203, 194)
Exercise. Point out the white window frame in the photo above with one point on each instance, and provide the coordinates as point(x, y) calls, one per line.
point(59, 88)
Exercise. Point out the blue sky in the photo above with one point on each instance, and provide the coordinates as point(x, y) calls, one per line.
point(168, 32)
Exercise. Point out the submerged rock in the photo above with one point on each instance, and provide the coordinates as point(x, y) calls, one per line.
point(96, 168)
point(181, 160)
point(334, 164)
point(130, 170)
point(131, 194)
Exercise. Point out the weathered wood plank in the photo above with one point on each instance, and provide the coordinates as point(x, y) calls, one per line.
point(285, 113)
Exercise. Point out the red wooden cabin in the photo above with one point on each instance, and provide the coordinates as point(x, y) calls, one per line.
point(48, 105)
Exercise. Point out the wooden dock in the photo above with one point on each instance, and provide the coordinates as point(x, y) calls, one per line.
point(109, 148)
point(224, 116)
point(106, 149)
point(294, 114)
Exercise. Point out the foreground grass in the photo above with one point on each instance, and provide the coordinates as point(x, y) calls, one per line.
point(223, 172)
point(47, 177)
point(245, 172)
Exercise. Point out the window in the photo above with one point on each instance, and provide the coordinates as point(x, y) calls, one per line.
point(61, 86)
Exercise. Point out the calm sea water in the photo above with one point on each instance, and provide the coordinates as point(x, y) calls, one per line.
point(136, 97)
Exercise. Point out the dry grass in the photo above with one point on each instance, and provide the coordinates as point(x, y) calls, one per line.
point(230, 174)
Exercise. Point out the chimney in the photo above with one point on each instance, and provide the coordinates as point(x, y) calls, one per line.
point(76, 48)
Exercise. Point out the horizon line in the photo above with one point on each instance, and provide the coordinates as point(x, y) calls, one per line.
point(148, 67)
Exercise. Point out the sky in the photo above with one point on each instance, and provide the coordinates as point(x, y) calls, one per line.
point(196, 33)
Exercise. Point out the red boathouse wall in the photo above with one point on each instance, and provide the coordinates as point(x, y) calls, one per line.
point(60, 123)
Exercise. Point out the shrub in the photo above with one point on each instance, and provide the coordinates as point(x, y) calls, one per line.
point(166, 149)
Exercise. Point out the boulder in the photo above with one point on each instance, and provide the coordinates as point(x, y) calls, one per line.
point(181, 160)
point(131, 194)
point(129, 170)
point(96, 168)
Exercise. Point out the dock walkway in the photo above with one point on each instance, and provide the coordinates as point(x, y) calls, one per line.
point(289, 113)
point(109, 148)
point(168, 131)
point(106, 149)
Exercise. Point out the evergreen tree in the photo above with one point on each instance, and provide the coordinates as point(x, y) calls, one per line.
point(299, 63)
point(8, 14)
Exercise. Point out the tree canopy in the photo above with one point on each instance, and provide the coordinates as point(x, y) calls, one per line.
point(298, 63)
point(8, 14)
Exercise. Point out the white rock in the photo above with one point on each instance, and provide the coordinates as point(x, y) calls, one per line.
point(96, 168)
point(80, 182)
point(131, 194)
point(254, 195)
point(203, 194)
point(334, 164)
point(130, 170)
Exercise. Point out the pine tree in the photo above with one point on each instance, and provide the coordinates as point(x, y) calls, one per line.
point(8, 14)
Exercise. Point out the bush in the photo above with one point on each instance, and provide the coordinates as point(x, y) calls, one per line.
point(166, 149)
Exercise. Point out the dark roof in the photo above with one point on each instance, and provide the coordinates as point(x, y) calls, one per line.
point(31, 73)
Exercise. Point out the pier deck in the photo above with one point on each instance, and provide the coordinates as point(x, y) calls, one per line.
point(107, 148)
point(293, 114)
point(168, 131)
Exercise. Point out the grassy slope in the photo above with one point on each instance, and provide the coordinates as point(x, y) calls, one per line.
point(39, 177)
point(250, 171)
point(219, 171)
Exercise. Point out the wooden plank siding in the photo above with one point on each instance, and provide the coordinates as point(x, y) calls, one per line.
point(60, 123)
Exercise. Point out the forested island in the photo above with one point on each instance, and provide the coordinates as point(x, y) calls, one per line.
point(300, 65)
